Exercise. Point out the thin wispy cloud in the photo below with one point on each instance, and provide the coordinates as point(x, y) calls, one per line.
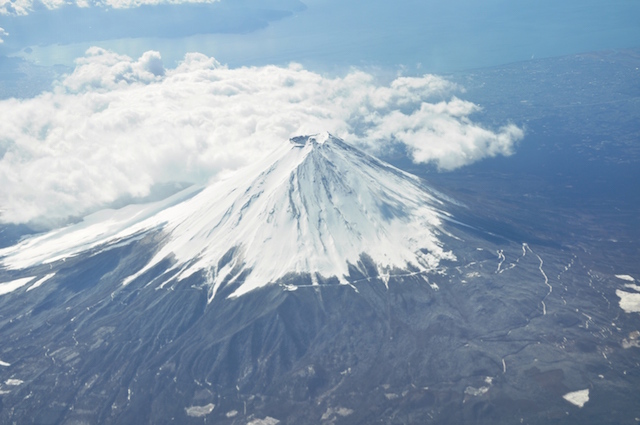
point(24, 7)
point(117, 126)
point(3, 33)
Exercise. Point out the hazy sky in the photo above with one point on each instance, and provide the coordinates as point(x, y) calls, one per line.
point(434, 35)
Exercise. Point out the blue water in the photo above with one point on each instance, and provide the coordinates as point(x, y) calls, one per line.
point(331, 35)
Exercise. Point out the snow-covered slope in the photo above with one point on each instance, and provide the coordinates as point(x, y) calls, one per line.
point(314, 206)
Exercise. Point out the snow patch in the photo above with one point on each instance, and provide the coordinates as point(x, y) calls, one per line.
point(320, 138)
point(625, 277)
point(199, 411)
point(577, 398)
point(14, 382)
point(633, 341)
point(5, 364)
point(476, 392)
point(266, 421)
point(339, 411)
point(632, 286)
point(41, 281)
point(629, 301)
point(343, 411)
point(11, 286)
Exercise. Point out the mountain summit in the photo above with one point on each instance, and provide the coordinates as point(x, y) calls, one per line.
point(316, 206)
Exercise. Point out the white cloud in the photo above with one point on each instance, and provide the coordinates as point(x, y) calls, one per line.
point(16, 7)
point(443, 134)
point(24, 7)
point(54, 4)
point(126, 4)
point(3, 33)
point(104, 70)
point(117, 126)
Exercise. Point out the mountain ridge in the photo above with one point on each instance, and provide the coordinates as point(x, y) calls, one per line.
point(314, 206)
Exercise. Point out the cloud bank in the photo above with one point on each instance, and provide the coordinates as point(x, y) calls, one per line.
point(117, 126)
point(24, 7)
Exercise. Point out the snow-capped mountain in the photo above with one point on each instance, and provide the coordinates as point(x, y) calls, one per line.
point(314, 206)
point(303, 291)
